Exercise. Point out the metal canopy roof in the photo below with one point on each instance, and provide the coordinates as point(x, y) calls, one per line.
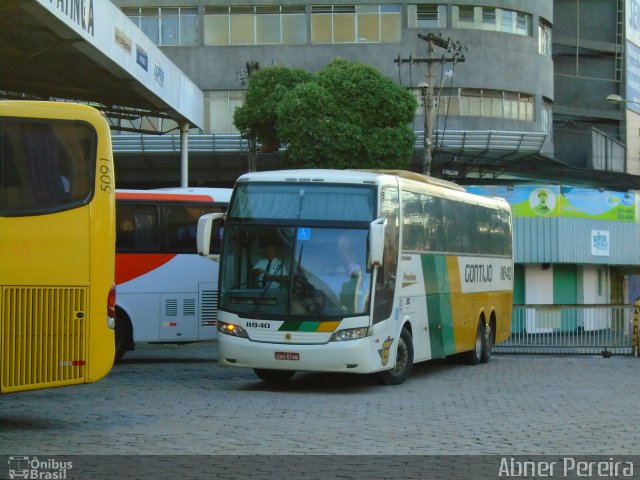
point(91, 52)
point(220, 159)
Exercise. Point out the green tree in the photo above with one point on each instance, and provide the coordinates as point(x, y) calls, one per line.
point(267, 86)
point(346, 116)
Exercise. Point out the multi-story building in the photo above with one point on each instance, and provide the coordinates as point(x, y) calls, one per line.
point(500, 88)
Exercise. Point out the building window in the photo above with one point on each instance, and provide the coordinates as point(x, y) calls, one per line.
point(507, 21)
point(167, 25)
point(482, 103)
point(491, 18)
point(523, 24)
point(427, 16)
point(547, 117)
point(489, 21)
point(355, 23)
point(255, 25)
point(219, 107)
point(466, 15)
point(544, 38)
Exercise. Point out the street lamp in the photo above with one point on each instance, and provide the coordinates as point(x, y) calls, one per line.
point(617, 99)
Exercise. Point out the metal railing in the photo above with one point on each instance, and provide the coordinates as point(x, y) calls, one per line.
point(570, 329)
point(453, 141)
point(203, 143)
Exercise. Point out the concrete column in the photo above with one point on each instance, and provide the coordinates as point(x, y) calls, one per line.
point(184, 154)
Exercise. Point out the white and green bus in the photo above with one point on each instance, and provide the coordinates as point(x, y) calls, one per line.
point(369, 272)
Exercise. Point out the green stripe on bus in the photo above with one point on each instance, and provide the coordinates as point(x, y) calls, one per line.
point(289, 326)
point(436, 279)
point(308, 326)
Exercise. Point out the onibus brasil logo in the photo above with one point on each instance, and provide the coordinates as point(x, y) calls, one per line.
point(40, 469)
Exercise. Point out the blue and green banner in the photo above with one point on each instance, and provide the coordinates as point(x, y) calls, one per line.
point(564, 201)
point(603, 205)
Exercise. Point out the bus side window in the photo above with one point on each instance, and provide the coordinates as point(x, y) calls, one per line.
point(182, 227)
point(137, 228)
point(413, 222)
point(124, 234)
point(434, 228)
point(145, 232)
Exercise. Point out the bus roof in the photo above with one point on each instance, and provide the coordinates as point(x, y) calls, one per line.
point(177, 194)
point(372, 176)
point(342, 176)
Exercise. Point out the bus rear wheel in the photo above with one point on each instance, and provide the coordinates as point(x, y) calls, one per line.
point(487, 344)
point(473, 357)
point(404, 362)
point(123, 334)
point(274, 376)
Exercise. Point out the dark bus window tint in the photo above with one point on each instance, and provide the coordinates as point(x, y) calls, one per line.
point(501, 230)
point(434, 223)
point(137, 228)
point(457, 227)
point(182, 227)
point(45, 166)
point(413, 227)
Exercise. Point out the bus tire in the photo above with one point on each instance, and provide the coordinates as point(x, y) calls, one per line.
point(275, 377)
point(404, 362)
point(487, 344)
point(123, 334)
point(473, 357)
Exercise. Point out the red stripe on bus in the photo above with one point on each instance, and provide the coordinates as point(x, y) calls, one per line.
point(134, 265)
point(165, 197)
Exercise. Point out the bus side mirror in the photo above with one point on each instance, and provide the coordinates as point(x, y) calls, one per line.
point(205, 225)
point(376, 241)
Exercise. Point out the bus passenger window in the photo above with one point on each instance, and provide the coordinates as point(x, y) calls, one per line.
point(124, 234)
point(137, 228)
point(182, 227)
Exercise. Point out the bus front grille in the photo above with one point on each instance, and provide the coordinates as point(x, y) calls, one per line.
point(42, 331)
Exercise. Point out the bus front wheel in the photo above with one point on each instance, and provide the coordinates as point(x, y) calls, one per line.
point(274, 376)
point(404, 362)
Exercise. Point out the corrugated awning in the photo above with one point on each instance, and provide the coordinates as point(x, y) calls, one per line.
point(91, 52)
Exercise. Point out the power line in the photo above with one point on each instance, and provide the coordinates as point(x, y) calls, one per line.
point(427, 90)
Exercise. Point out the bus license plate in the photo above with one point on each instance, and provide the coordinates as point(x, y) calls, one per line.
point(287, 356)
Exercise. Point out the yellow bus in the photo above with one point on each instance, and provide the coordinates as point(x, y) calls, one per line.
point(362, 272)
point(57, 245)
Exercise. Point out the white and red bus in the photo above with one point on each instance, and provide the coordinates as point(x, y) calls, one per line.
point(166, 291)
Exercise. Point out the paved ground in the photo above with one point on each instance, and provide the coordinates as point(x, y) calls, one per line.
point(176, 400)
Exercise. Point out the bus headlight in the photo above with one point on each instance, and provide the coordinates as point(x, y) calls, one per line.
point(232, 329)
point(350, 334)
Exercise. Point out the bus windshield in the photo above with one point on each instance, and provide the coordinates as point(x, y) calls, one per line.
point(297, 249)
point(295, 271)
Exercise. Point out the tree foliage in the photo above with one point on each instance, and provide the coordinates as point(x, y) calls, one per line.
point(346, 116)
point(266, 89)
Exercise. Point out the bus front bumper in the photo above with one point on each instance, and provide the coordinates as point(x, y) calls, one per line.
point(346, 356)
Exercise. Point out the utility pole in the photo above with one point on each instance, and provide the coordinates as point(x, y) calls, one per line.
point(243, 77)
point(427, 91)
